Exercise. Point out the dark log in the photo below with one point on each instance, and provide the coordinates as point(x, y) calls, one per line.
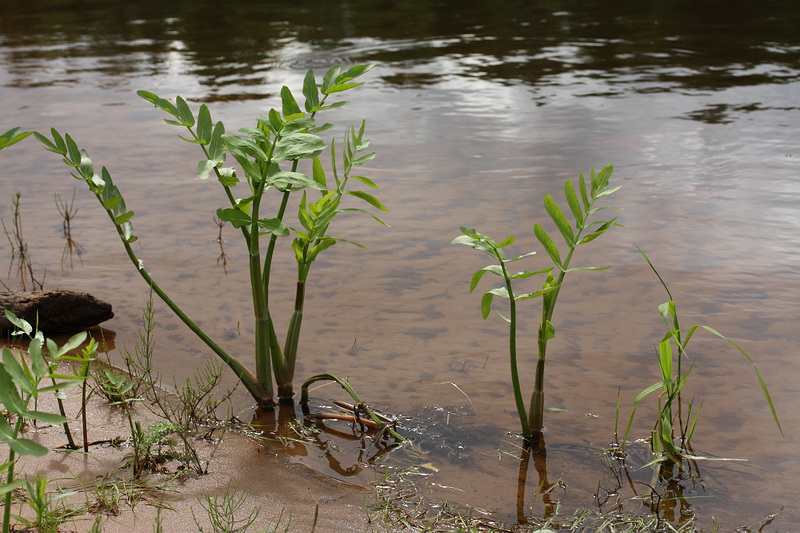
point(58, 311)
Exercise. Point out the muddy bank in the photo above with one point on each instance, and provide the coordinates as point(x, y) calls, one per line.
point(279, 490)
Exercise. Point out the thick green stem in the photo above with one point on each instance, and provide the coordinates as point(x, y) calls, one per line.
point(512, 352)
point(261, 393)
point(537, 400)
point(292, 342)
point(545, 333)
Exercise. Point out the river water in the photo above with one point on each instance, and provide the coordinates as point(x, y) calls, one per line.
point(476, 110)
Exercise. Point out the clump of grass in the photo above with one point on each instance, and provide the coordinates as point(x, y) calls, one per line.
point(677, 421)
point(226, 513)
point(50, 511)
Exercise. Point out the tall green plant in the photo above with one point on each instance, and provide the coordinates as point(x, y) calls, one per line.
point(667, 443)
point(582, 206)
point(268, 156)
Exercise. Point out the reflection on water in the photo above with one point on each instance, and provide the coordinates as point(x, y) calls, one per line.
point(476, 111)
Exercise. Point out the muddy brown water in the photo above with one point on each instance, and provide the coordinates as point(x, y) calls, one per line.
point(475, 113)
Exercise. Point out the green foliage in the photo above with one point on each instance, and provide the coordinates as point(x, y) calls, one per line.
point(582, 208)
point(268, 157)
point(22, 381)
point(12, 137)
point(671, 352)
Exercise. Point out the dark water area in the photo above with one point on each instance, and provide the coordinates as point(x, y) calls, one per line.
point(477, 110)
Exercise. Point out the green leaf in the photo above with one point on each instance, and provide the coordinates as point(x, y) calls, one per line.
point(363, 159)
point(289, 107)
point(184, 113)
point(476, 278)
point(540, 292)
point(9, 395)
point(274, 226)
point(26, 447)
point(560, 220)
point(160, 103)
point(8, 487)
point(369, 199)
point(18, 374)
point(285, 179)
point(11, 137)
point(323, 244)
point(502, 292)
point(366, 181)
point(49, 418)
point(376, 219)
point(584, 195)
point(354, 72)
point(574, 204)
point(227, 176)
point(73, 153)
point(204, 125)
point(330, 78)
point(48, 145)
point(275, 121)
point(39, 366)
point(549, 245)
point(298, 146)
point(257, 135)
point(239, 145)
point(204, 168)
point(123, 218)
point(607, 192)
point(341, 87)
point(549, 329)
point(72, 343)
point(216, 147)
point(588, 268)
point(486, 305)
point(596, 233)
point(601, 179)
point(529, 273)
point(21, 324)
point(318, 172)
point(310, 91)
point(340, 103)
point(234, 216)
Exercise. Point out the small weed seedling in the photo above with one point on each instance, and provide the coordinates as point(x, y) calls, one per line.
point(582, 208)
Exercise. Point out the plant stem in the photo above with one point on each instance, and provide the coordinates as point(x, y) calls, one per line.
point(293, 340)
point(544, 334)
point(512, 352)
point(262, 394)
point(10, 479)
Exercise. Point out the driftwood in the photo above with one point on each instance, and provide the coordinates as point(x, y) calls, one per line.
point(56, 311)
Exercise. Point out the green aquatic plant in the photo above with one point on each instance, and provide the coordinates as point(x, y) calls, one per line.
point(673, 429)
point(581, 231)
point(268, 155)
